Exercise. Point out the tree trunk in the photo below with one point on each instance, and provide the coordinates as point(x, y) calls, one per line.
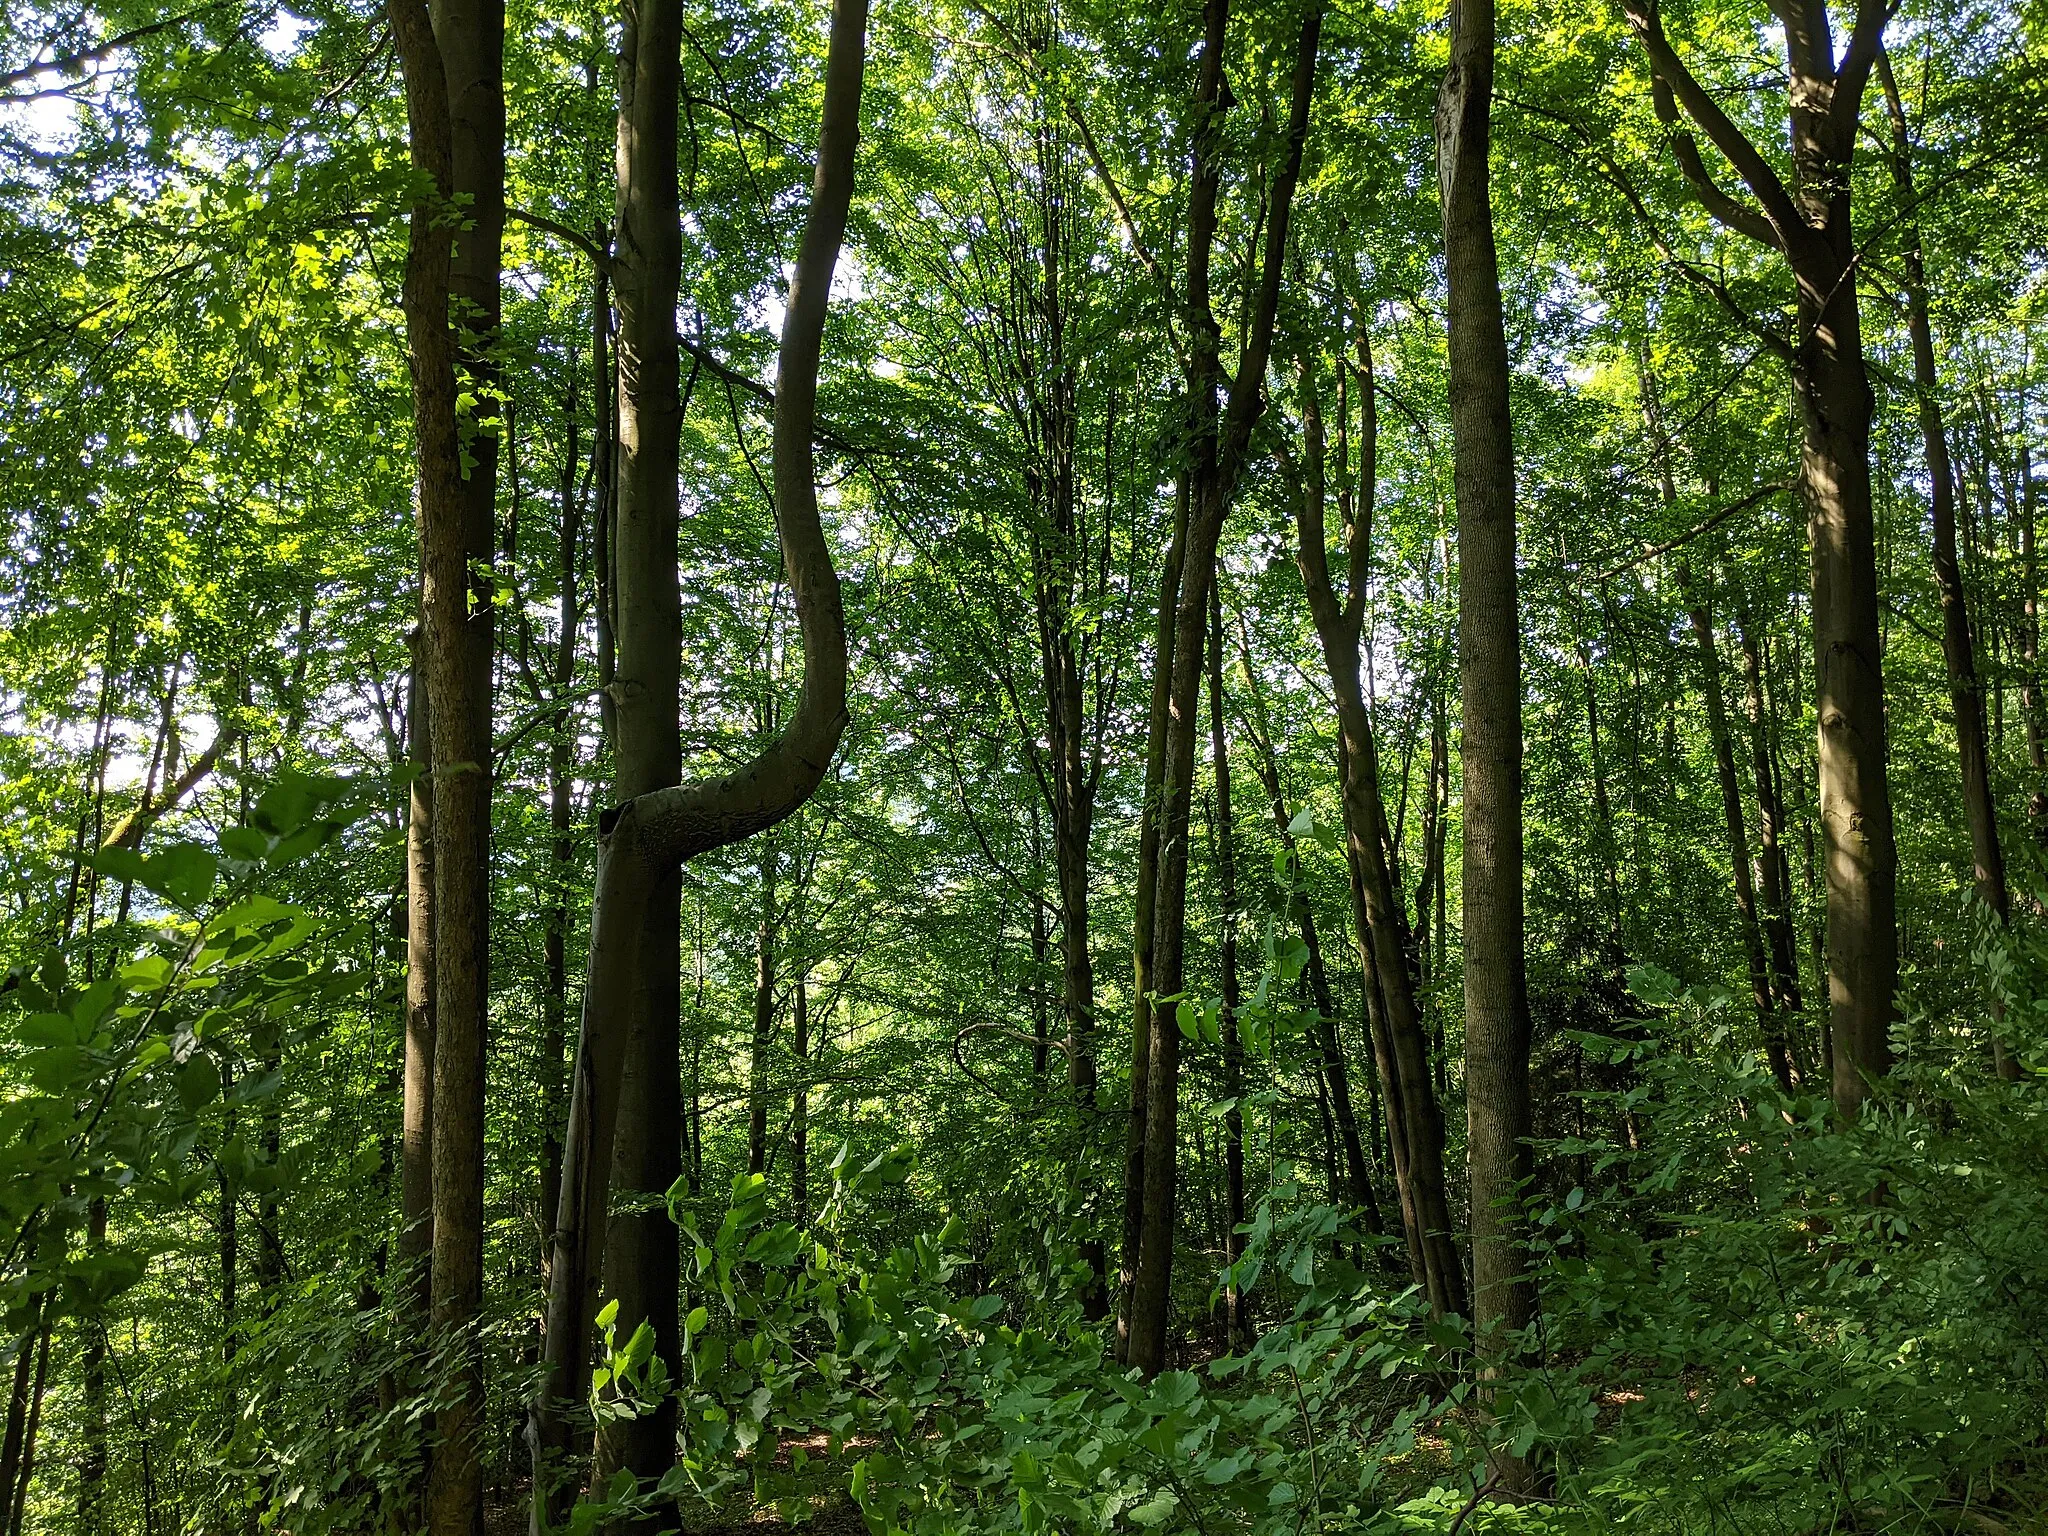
point(1415, 1118)
point(2030, 655)
point(1855, 792)
point(1236, 1322)
point(1966, 696)
point(1769, 1027)
point(1777, 874)
point(455, 108)
point(1219, 450)
point(416, 1180)
point(1329, 1047)
point(1144, 909)
point(562, 853)
point(92, 1464)
point(641, 1260)
point(17, 1411)
point(800, 1109)
point(764, 1014)
point(26, 1472)
point(1497, 1029)
point(628, 1027)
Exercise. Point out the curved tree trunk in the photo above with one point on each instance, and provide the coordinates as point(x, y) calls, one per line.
point(627, 1055)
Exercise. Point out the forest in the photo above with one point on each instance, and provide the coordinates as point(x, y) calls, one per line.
point(1229, 768)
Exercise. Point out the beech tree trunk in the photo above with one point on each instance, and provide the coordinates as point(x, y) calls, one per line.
point(1144, 907)
point(1769, 1027)
point(764, 1014)
point(1809, 223)
point(800, 1106)
point(416, 1178)
point(455, 108)
point(1777, 874)
point(1497, 1028)
point(1236, 1322)
point(1218, 457)
point(623, 1107)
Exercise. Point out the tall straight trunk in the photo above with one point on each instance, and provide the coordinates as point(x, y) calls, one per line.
point(1769, 1026)
point(416, 1178)
point(1497, 1028)
point(1415, 1118)
point(1770, 1029)
point(25, 1475)
point(641, 1260)
point(800, 1107)
point(1854, 783)
point(561, 850)
point(92, 1462)
point(17, 1411)
point(455, 107)
point(1235, 1319)
point(623, 1106)
point(1770, 812)
point(1958, 650)
point(1041, 959)
point(2030, 651)
point(1218, 457)
point(1144, 907)
point(764, 1013)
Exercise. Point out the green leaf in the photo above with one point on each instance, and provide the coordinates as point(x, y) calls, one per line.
point(49, 1029)
point(198, 1081)
point(119, 863)
point(244, 843)
point(182, 873)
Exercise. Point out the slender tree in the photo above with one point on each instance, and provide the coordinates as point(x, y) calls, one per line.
point(644, 840)
point(1497, 1028)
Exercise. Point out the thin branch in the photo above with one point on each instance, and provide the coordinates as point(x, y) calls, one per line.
point(1651, 551)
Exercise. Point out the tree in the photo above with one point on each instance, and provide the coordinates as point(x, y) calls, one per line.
point(627, 1036)
point(1497, 1026)
point(1809, 224)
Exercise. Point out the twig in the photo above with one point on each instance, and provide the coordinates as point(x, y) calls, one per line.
point(1471, 1504)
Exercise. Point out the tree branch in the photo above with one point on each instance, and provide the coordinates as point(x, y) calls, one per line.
point(1778, 207)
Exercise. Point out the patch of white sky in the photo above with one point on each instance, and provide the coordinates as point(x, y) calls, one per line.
point(45, 111)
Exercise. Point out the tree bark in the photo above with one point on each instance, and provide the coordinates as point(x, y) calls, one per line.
point(800, 1107)
point(1497, 1027)
point(1769, 1026)
point(1415, 1117)
point(452, 60)
point(562, 847)
point(1777, 874)
point(1809, 223)
point(1236, 1320)
point(764, 1014)
point(1144, 905)
point(92, 1464)
point(645, 840)
point(1218, 458)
